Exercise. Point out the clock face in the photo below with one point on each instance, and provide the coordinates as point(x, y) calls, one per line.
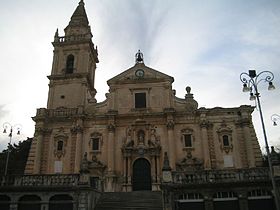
point(139, 73)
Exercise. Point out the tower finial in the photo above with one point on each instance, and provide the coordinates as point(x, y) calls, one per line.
point(139, 57)
point(82, 2)
point(56, 33)
point(56, 36)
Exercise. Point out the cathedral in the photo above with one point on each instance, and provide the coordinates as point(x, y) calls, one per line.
point(141, 138)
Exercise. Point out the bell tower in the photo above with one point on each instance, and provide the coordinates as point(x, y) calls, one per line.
point(74, 64)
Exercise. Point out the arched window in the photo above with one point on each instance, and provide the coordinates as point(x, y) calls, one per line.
point(187, 138)
point(225, 140)
point(225, 200)
point(70, 64)
point(190, 201)
point(32, 202)
point(260, 199)
point(191, 196)
point(59, 145)
point(95, 144)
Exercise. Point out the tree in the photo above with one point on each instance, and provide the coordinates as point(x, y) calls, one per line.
point(17, 158)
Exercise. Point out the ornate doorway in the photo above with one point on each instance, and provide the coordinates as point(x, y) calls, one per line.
point(141, 177)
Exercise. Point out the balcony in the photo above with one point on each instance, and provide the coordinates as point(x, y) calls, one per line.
point(61, 112)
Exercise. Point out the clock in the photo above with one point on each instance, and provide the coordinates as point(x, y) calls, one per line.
point(139, 73)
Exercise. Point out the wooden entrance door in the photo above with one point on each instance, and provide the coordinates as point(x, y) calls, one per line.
point(141, 178)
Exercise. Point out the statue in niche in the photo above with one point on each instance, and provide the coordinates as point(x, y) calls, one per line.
point(84, 164)
point(141, 137)
point(129, 141)
point(155, 139)
point(153, 135)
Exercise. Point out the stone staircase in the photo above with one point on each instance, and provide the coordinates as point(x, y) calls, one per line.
point(137, 200)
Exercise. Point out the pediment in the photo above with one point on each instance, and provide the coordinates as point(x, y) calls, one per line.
point(148, 75)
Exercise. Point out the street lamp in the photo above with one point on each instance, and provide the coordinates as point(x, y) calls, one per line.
point(275, 118)
point(8, 127)
point(250, 84)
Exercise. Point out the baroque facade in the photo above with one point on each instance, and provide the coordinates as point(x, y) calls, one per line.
point(142, 137)
point(140, 120)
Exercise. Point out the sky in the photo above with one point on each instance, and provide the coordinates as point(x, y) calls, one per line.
point(203, 44)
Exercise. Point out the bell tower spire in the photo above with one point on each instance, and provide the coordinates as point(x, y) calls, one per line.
point(79, 24)
point(74, 63)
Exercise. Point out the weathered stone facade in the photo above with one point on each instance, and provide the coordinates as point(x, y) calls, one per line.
point(142, 137)
point(140, 118)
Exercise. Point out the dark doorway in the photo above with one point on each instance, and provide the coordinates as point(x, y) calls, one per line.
point(61, 202)
point(141, 179)
point(259, 204)
point(5, 202)
point(190, 205)
point(226, 204)
point(29, 202)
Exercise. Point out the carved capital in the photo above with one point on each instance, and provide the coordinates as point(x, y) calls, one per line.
point(170, 124)
point(42, 131)
point(206, 124)
point(77, 129)
point(111, 127)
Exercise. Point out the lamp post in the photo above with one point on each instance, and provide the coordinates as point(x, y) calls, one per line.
point(275, 118)
point(8, 127)
point(250, 82)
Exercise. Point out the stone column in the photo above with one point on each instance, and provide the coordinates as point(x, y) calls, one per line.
point(111, 159)
point(125, 178)
point(205, 146)
point(248, 143)
point(38, 151)
point(153, 169)
point(129, 174)
point(111, 147)
point(168, 202)
point(209, 205)
point(243, 201)
point(79, 144)
point(208, 201)
point(83, 201)
point(158, 169)
point(171, 142)
point(125, 169)
point(14, 202)
point(13, 206)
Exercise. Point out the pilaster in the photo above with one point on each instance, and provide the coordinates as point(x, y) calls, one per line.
point(78, 132)
point(171, 142)
point(205, 145)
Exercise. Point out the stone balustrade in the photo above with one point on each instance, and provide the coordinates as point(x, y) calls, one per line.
point(40, 180)
point(79, 37)
point(59, 112)
point(63, 112)
point(196, 177)
point(221, 176)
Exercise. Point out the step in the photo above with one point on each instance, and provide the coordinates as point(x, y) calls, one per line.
point(138, 200)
